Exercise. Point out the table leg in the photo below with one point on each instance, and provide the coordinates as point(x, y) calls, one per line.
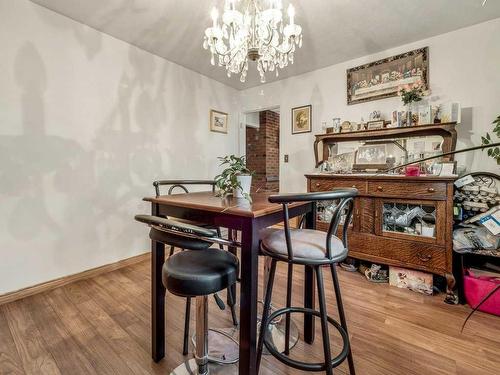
point(458, 271)
point(309, 284)
point(157, 299)
point(232, 236)
point(248, 300)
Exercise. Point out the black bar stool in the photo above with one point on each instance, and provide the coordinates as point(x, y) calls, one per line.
point(316, 249)
point(173, 187)
point(196, 274)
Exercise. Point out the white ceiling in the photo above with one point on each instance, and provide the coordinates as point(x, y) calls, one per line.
point(334, 30)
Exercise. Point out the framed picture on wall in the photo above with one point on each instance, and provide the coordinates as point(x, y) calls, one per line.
point(218, 121)
point(302, 119)
point(384, 78)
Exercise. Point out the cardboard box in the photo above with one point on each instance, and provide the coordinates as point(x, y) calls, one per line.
point(416, 281)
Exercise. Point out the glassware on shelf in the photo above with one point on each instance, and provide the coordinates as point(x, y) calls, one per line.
point(416, 219)
point(412, 170)
point(325, 211)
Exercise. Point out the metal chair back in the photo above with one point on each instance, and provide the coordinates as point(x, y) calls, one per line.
point(346, 205)
point(181, 184)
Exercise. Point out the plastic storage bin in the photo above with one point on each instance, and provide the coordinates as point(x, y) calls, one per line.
point(477, 287)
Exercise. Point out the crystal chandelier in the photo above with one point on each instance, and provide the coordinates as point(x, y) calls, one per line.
point(258, 35)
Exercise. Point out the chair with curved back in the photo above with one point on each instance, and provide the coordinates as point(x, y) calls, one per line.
point(183, 185)
point(315, 249)
point(195, 273)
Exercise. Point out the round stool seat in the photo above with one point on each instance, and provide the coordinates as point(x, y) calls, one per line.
point(199, 273)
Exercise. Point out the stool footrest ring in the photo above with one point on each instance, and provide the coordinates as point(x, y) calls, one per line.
point(303, 365)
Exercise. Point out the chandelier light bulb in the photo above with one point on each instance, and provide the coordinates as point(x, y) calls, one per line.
point(214, 14)
point(291, 14)
point(253, 33)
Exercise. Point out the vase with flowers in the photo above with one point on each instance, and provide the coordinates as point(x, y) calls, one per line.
point(410, 95)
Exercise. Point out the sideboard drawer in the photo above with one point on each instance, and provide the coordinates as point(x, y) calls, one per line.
point(417, 190)
point(319, 184)
point(406, 253)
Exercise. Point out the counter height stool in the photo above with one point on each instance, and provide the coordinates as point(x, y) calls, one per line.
point(196, 274)
point(183, 185)
point(315, 249)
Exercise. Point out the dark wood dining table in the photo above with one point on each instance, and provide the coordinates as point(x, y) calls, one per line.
point(236, 214)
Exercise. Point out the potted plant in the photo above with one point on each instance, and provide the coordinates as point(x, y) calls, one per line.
point(486, 140)
point(235, 179)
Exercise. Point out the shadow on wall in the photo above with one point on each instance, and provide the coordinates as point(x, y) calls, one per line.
point(32, 156)
point(89, 39)
point(64, 197)
point(71, 201)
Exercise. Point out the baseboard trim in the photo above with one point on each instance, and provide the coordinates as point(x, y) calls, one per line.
point(56, 283)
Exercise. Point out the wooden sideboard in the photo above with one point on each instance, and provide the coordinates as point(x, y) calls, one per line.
point(371, 236)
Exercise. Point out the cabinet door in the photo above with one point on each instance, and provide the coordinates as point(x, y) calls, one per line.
point(411, 219)
point(365, 211)
point(324, 211)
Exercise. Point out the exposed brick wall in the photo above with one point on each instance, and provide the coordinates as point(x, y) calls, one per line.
point(256, 154)
point(263, 151)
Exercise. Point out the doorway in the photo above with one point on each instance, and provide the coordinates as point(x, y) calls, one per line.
point(262, 135)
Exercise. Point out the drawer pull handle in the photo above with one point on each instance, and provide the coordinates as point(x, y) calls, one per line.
point(380, 188)
point(317, 184)
point(431, 190)
point(354, 186)
point(424, 258)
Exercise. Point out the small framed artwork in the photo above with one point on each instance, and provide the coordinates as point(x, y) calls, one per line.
point(371, 157)
point(301, 119)
point(371, 154)
point(218, 121)
point(346, 127)
point(373, 125)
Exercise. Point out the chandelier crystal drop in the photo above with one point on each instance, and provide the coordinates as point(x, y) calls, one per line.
point(258, 34)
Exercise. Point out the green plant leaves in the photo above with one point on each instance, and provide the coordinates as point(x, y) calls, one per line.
point(413, 95)
point(486, 140)
point(496, 129)
point(227, 182)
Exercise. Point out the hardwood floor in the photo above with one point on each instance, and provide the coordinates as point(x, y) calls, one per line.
point(101, 326)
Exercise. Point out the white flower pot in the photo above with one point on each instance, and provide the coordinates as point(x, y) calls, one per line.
point(245, 183)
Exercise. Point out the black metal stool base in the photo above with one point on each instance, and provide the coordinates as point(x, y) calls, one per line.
point(303, 365)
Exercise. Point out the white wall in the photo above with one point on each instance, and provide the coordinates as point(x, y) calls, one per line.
point(252, 119)
point(464, 67)
point(87, 122)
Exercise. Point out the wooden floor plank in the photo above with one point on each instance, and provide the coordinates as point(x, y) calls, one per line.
point(101, 325)
point(69, 356)
point(104, 358)
point(10, 362)
point(31, 348)
point(127, 349)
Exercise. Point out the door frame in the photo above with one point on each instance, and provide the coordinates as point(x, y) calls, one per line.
point(242, 141)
